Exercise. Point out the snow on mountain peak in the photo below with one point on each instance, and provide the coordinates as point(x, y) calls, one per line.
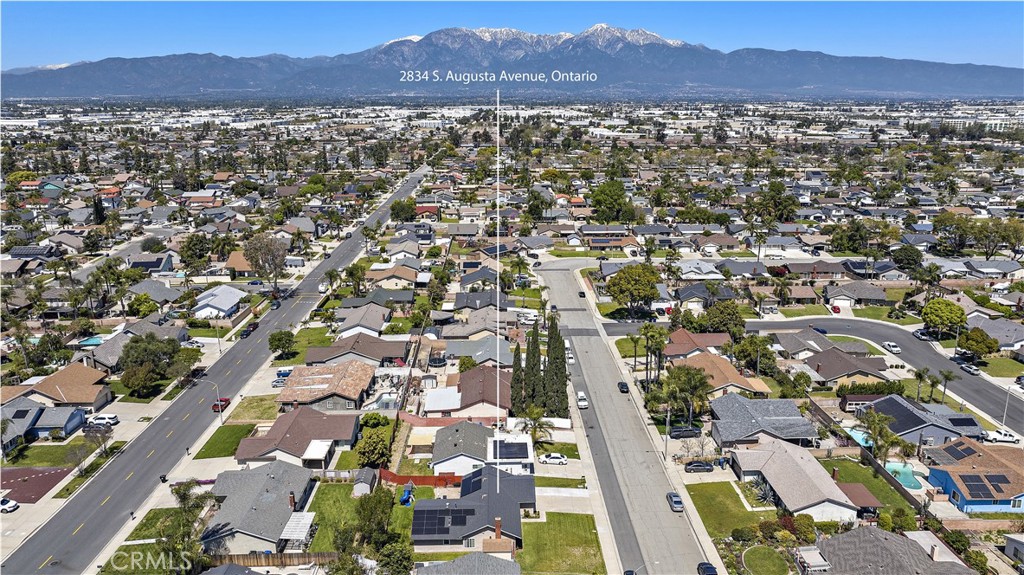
point(413, 38)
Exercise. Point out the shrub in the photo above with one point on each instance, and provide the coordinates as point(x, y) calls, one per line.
point(885, 521)
point(932, 524)
point(828, 527)
point(895, 313)
point(744, 534)
point(788, 523)
point(903, 520)
point(197, 323)
point(374, 420)
point(804, 528)
point(957, 541)
point(768, 527)
point(976, 560)
point(785, 537)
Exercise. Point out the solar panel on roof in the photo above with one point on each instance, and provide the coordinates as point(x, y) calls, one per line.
point(511, 450)
point(968, 451)
point(20, 414)
point(997, 489)
point(953, 452)
point(963, 422)
point(971, 479)
point(997, 479)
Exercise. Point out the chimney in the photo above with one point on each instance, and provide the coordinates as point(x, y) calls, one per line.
point(291, 500)
point(817, 367)
point(497, 527)
point(835, 474)
point(934, 553)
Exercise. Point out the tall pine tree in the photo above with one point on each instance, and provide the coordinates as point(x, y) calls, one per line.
point(557, 402)
point(518, 383)
point(534, 380)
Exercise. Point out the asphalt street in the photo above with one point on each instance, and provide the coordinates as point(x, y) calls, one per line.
point(979, 392)
point(629, 469)
point(134, 247)
point(75, 535)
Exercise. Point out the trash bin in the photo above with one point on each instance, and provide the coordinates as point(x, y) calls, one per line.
point(163, 479)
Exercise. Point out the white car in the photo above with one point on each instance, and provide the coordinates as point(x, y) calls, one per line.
point(1001, 436)
point(322, 288)
point(193, 344)
point(105, 419)
point(570, 359)
point(891, 347)
point(554, 459)
point(8, 505)
point(581, 400)
point(775, 257)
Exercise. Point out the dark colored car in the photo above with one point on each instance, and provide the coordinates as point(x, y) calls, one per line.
point(536, 264)
point(275, 304)
point(660, 312)
point(815, 252)
point(683, 432)
point(253, 325)
point(623, 387)
point(602, 258)
point(256, 282)
point(583, 294)
point(705, 568)
point(554, 308)
point(245, 333)
point(699, 467)
point(820, 330)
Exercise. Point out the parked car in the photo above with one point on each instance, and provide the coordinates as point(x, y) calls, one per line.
point(675, 503)
point(95, 429)
point(775, 257)
point(683, 432)
point(1001, 436)
point(891, 347)
point(536, 264)
point(820, 330)
point(699, 467)
point(275, 304)
point(971, 369)
point(705, 568)
point(602, 258)
point(835, 309)
point(554, 459)
point(1019, 380)
point(582, 294)
point(104, 419)
point(221, 404)
point(623, 387)
point(284, 372)
point(245, 333)
point(660, 312)
point(8, 505)
point(256, 282)
point(554, 307)
point(279, 382)
point(194, 343)
point(253, 325)
point(322, 288)
point(922, 335)
point(815, 252)
point(532, 255)
point(581, 400)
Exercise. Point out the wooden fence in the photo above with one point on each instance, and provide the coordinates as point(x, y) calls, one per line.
point(274, 559)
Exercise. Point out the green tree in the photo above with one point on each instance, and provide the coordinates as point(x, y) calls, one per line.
point(907, 257)
point(374, 449)
point(978, 342)
point(356, 274)
point(266, 255)
point(755, 352)
point(404, 210)
point(555, 374)
point(876, 429)
point(724, 317)
point(373, 514)
point(195, 253)
point(518, 385)
point(143, 349)
point(395, 559)
point(533, 422)
point(281, 342)
point(921, 376)
point(179, 532)
point(137, 379)
point(91, 242)
point(142, 305)
point(694, 387)
point(943, 316)
point(610, 203)
point(947, 376)
point(634, 287)
point(532, 371)
point(466, 363)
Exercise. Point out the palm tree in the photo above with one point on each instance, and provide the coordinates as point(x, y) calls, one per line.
point(921, 375)
point(332, 276)
point(947, 376)
point(355, 273)
point(533, 422)
point(635, 340)
point(519, 264)
point(178, 530)
point(782, 290)
point(692, 385)
point(876, 428)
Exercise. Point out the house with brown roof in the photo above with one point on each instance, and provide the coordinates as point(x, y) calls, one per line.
point(327, 388)
point(839, 368)
point(75, 385)
point(237, 264)
point(305, 437)
point(978, 478)
point(395, 277)
point(474, 393)
point(362, 347)
point(723, 377)
point(683, 344)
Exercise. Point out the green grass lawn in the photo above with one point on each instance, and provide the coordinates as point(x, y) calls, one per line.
point(570, 450)
point(910, 391)
point(879, 312)
point(149, 526)
point(947, 343)
point(78, 480)
point(224, 441)
point(410, 466)
point(996, 515)
point(774, 385)
point(347, 460)
point(564, 543)
point(761, 560)
point(1001, 367)
point(334, 507)
point(747, 312)
point(738, 254)
point(398, 325)
point(844, 254)
point(625, 347)
point(425, 557)
point(721, 510)
point(853, 472)
point(566, 482)
point(331, 304)
point(606, 309)
point(45, 454)
point(306, 337)
point(803, 311)
point(896, 294)
point(401, 516)
point(147, 396)
point(255, 408)
point(124, 565)
point(528, 293)
point(872, 350)
point(207, 332)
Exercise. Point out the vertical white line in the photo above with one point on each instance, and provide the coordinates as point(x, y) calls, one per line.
point(497, 284)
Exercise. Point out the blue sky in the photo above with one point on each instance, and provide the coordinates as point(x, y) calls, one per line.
point(36, 33)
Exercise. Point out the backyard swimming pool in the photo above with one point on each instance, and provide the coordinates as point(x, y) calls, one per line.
point(904, 473)
point(94, 340)
point(859, 436)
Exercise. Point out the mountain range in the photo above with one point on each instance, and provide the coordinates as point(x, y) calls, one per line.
point(619, 64)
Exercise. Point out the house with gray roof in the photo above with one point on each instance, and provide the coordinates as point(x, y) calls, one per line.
point(479, 278)
point(476, 563)
point(738, 420)
point(924, 424)
point(1009, 333)
point(31, 420)
point(489, 350)
point(255, 507)
point(807, 342)
point(995, 269)
point(107, 356)
point(158, 291)
point(369, 319)
point(381, 296)
point(838, 368)
point(869, 550)
point(481, 300)
point(218, 302)
point(460, 448)
point(855, 293)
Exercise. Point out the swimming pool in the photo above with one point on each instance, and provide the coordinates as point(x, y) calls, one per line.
point(904, 473)
point(94, 340)
point(859, 436)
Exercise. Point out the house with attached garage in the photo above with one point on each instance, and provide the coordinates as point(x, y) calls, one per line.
point(29, 420)
point(977, 477)
point(304, 437)
point(924, 424)
point(75, 385)
point(741, 421)
point(722, 376)
point(471, 394)
point(855, 294)
point(259, 509)
point(362, 347)
point(1009, 333)
point(369, 320)
point(460, 448)
point(807, 342)
point(839, 368)
point(151, 263)
point(218, 302)
point(327, 388)
point(869, 549)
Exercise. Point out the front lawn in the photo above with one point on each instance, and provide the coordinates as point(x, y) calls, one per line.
point(625, 347)
point(570, 450)
point(528, 293)
point(563, 543)
point(1001, 367)
point(606, 309)
point(334, 506)
point(401, 516)
point(871, 349)
point(79, 479)
point(570, 253)
point(224, 441)
point(306, 337)
point(881, 312)
point(207, 332)
point(255, 408)
point(564, 482)
point(853, 472)
point(897, 294)
point(125, 566)
point(738, 254)
point(721, 510)
point(45, 454)
point(806, 310)
point(150, 525)
point(761, 560)
point(747, 312)
point(145, 396)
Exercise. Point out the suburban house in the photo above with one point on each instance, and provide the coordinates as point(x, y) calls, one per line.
point(381, 297)
point(856, 293)
point(738, 421)
point(369, 320)
point(238, 266)
point(30, 420)
point(488, 350)
point(924, 424)
point(978, 478)
point(1015, 547)
point(157, 290)
point(1010, 334)
point(471, 394)
point(218, 302)
point(837, 368)
point(697, 297)
point(74, 385)
point(807, 342)
point(482, 512)
point(723, 376)
point(477, 563)
point(460, 448)
point(362, 347)
point(151, 263)
point(800, 483)
point(327, 388)
point(256, 507)
point(869, 549)
point(683, 344)
point(107, 355)
point(304, 437)
point(819, 270)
